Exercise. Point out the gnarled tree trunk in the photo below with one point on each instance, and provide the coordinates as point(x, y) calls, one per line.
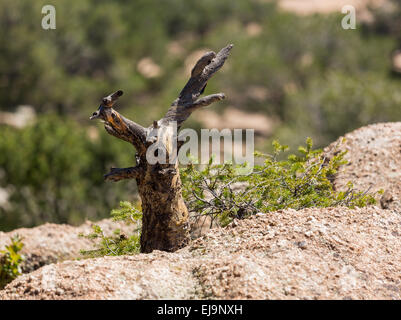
point(165, 224)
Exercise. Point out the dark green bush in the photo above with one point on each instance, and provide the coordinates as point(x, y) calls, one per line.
point(387, 19)
point(53, 172)
point(343, 104)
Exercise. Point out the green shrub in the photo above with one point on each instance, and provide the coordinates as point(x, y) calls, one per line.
point(300, 181)
point(10, 261)
point(117, 244)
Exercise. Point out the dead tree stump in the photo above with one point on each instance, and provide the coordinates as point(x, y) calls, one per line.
point(165, 224)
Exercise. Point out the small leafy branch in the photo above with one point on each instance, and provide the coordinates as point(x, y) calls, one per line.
point(118, 243)
point(10, 261)
point(300, 181)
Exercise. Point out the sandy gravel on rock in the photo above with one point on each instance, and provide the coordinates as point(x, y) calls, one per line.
point(374, 156)
point(49, 243)
point(333, 253)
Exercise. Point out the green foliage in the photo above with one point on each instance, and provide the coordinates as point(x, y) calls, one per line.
point(300, 181)
point(53, 171)
point(343, 104)
point(97, 46)
point(118, 243)
point(126, 211)
point(10, 261)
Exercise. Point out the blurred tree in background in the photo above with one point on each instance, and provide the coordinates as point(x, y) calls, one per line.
point(305, 72)
point(53, 172)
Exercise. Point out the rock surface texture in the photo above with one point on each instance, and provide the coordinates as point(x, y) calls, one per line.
point(333, 253)
point(374, 162)
point(315, 253)
point(50, 243)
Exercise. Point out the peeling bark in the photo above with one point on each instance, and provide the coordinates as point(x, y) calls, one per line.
point(165, 224)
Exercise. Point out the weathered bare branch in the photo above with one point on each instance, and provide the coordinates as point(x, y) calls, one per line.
point(126, 129)
point(112, 98)
point(165, 215)
point(117, 174)
point(188, 99)
point(205, 101)
point(202, 63)
point(119, 126)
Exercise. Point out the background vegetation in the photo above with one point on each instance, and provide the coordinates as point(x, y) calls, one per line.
point(313, 78)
